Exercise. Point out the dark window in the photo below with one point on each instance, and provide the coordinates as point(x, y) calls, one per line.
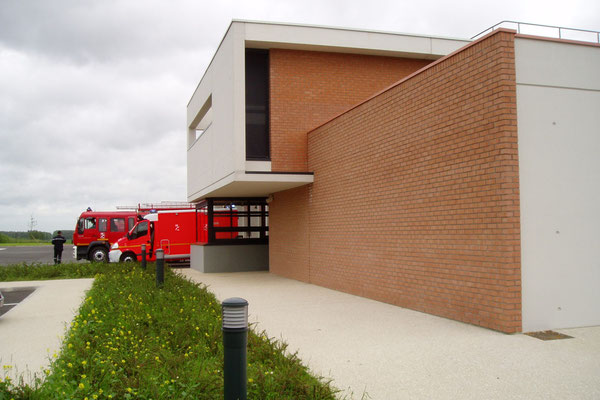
point(235, 221)
point(257, 104)
point(117, 225)
point(140, 230)
point(131, 222)
point(102, 224)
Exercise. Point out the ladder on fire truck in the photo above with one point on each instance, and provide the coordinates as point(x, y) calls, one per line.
point(163, 205)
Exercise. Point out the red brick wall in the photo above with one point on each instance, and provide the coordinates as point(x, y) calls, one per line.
point(307, 88)
point(416, 193)
point(288, 225)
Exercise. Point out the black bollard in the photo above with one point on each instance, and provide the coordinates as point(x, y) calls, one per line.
point(160, 268)
point(143, 256)
point(235, 341)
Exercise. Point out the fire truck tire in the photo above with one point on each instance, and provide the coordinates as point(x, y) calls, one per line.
point(99, 254)
point(128, 257)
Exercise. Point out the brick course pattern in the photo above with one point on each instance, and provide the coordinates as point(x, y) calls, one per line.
point(307, 88)
point(288, 225)
point(416, 193)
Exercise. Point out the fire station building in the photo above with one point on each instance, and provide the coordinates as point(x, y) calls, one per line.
point(454, 177)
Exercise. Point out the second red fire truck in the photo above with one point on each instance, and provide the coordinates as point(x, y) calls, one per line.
point(173, 231)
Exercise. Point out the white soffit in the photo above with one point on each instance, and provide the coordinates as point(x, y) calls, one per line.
point(242, 184)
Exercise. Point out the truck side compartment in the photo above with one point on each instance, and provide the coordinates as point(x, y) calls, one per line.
point(173, 231)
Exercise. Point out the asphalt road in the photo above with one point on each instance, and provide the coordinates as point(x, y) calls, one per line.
point(33, 254)
point(13, 296)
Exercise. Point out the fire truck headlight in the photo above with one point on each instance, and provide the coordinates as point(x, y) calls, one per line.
point(115, 245)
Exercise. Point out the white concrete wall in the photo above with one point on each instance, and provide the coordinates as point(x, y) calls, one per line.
point(558, 108)
point(221, 150)
point(230, 258)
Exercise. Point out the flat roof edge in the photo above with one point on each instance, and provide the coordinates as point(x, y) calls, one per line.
point(340, 28)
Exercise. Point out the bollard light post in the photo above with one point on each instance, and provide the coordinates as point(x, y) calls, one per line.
point(143, 256)
point(160, 268)
point(235, 341)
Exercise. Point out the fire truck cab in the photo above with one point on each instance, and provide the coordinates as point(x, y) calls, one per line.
point(96, 231)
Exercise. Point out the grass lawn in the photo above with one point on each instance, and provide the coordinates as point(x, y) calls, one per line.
point(40, 271)
point(131, 340)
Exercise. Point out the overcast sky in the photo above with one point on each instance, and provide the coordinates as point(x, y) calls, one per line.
point(93, 93)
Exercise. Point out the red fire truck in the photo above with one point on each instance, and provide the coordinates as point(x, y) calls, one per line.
point(96, 231)
point(173, 231)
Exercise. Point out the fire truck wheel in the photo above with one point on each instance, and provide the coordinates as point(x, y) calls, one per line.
point(128, 257)
point(99, 254)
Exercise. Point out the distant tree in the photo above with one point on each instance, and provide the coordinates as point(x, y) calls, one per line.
point(27, 236)
point(16, 235)
point(37, 235)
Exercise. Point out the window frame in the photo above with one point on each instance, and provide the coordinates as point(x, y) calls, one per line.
point(113, 224)
point(231, 207)
point(261, 74)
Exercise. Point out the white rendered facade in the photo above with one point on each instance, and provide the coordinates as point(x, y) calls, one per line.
point(558, 114)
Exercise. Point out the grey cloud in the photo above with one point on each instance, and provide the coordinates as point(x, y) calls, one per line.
point(93, 93)
point(110, 178)
point(104, 30)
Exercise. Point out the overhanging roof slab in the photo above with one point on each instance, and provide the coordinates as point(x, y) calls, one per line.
point(252, 184)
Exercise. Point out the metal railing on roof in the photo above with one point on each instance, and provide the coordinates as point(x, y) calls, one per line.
point(558, 32)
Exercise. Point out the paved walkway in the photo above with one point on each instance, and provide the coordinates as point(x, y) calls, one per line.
point(31, 332)
point(378, 351)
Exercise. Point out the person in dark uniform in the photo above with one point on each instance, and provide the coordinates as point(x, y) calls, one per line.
point(58, 242)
